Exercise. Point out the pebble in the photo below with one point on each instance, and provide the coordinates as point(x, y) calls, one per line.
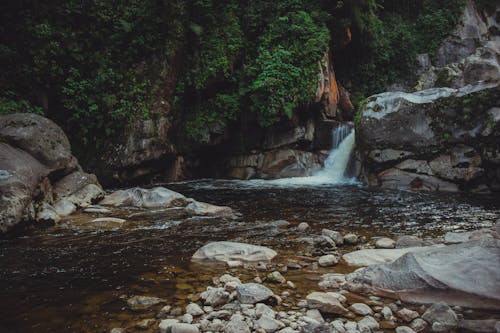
point(407, 315)
point(351, 239)
point(385, 243)
point(275, 277)
point(194, 310)
point(302, 227)
point(328, 260)
point(361, 309)
point(404, 329)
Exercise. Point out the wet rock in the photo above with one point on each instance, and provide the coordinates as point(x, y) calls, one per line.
point(145, 324)
point(334, 235)
point(407, 315)
point(194, 309)
point(315, 315)
point(325, 302)
point(460, 274)
point(361, 309)
point(418, 325)
point(184, 328)
point(145, 198)
point(369, 257)
point(404, 329)
point(97, 210)
point(275, 277)
point(302, 227)
point(237, 325)
point(251, 293)
point(143, 302)
point(164, 311)
point(328, 260)
point(441, 317)
point(479, 326)
point(117, 330)
point(268, 324)
point(368, 324)
point(230, 251)
point(385, 243)
point(166, 325)
point(215, 296)
point(351, 239)
point(206, 209)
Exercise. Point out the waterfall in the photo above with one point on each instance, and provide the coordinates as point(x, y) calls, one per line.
point(335, 164)
point(338, 159)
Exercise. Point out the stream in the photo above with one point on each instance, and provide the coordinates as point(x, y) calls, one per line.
point(68, 278)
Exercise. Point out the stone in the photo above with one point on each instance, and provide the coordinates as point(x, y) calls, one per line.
point(302, 227)
point(97, 210)
point(334, 235)
point(117, 330)
point(456, 237)
point(441, 314)
point(194, 309)
point(315, 327)
point(215, 296)
point(410, 241)
point(466, 276)
point(275, 277)
point(418, 325)
point(184, 328)
point(316, 315)
point(263, 310)
point(361, 309)
point(268, 324)
point(236, 325)
point(251, 293)
point(369, 257)
point(328, 260)
point(387, 313)
point(368, 324)
point(145, 198)
point(407, 315)
point(206, 209)
point(137, 303)
point(229, 251)
point(350, 239)
point(325, 302)
point(404, 329)
point(479, 326)
point(187, 318)
point(166, 325)
point(145, 324)
point(385, 243)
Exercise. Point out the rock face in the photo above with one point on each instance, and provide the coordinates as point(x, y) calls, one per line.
point(465, 274)
point(38, 174)
point(230, 251)
point(443, 134)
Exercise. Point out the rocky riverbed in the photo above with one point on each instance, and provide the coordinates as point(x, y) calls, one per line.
point(79, 276)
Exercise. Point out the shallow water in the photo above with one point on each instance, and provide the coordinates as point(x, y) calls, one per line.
point(68, 279)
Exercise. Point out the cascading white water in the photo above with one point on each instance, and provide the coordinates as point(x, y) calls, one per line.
point(335, 165)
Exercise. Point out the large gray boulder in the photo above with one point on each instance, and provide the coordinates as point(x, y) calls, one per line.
point(231, 251)
point(145, 198)
point(466, 274)
point(38, 172)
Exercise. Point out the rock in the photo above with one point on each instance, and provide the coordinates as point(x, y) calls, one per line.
point(230, 251)
point(317, 328)
point(302, 227)
point(215, 296)
point(268, 324)
point(261, 309)
point(166, 325)
point(275, 277)
point(407, 315)
point(387, 313)
point(369, 257)
point(368, 324)
point(194, 309)
point(351, 239)
point(361, 309)
point(410, 241)
point(479, 326)
point(325, 302)
point(315, 315)
point(334, 235)
point(117, 330)
point(145, 324)
point(328, 260)
point(465, 276)
point(35, 156)
point(251, 293)
point(456, 237)
point(145, 198)
point(143, 302)
point(97, 210)
point(113, 220)
point(236, 325)
point(404, 329)
point(163, 311)
point(418, 325)
point(184, 328)
point(441, 317)
point(205, 209)
point(187, 318)
point(385, 243)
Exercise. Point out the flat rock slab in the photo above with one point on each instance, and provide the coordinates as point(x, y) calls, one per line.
point(466, 274)
point(144, 198)
point(369, 257)
point(232, 251)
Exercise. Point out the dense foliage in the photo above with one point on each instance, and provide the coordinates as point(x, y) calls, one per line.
point(94, 65)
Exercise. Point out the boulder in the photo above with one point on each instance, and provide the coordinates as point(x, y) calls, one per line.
point(441, 317)
point(251, 293)
point(37, 171)
point(465, 274)
point(369, 257)
point(206, 209)
point(326, 303)
point(145, 198)
point(232, 251)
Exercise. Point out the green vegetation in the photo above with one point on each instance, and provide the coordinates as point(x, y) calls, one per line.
point(93, 66)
